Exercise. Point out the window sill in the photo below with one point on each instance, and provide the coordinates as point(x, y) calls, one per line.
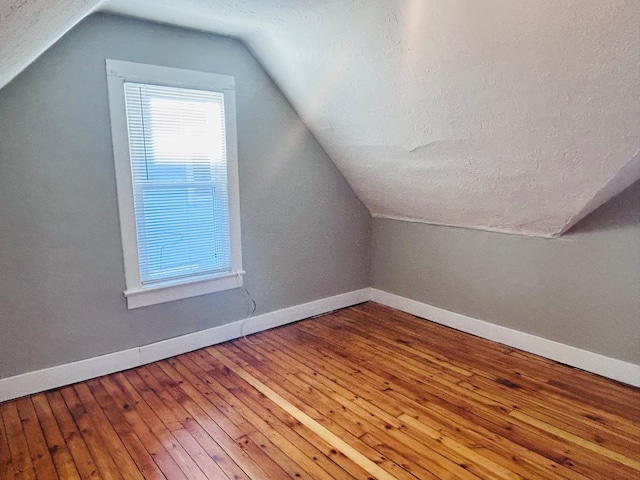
point(142, 297)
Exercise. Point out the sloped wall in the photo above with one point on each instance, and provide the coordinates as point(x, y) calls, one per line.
point(517, 117)
point(582, 289)
point(305, 235)
point(495, 115)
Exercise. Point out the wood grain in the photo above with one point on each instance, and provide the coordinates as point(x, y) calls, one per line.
point(366, 392)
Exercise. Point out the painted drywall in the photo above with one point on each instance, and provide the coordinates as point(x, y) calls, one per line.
point(507, 116)
point(582, 289)
point(305, 235)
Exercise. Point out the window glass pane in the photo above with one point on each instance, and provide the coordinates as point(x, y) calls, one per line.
point(180, 233)
point(178, 165)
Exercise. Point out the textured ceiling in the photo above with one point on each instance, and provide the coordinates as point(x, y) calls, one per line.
point(519, 117)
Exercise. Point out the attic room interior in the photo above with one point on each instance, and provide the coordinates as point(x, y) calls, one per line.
point(281, 239)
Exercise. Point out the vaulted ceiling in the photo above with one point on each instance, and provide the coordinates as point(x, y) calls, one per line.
point(518, 117)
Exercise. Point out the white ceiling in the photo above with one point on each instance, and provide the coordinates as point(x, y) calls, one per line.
point(519, 117)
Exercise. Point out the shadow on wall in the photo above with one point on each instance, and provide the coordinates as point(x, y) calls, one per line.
point(620, 212)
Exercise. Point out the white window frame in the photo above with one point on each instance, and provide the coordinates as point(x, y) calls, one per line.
point(136, 294)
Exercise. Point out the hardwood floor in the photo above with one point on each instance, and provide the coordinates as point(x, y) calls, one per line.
point(365, 392)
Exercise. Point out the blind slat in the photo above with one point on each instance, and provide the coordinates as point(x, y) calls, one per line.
point(178, 164)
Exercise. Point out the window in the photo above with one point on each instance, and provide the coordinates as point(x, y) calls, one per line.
point(174, 140)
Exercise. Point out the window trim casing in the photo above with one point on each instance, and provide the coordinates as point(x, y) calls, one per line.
point(118, 72)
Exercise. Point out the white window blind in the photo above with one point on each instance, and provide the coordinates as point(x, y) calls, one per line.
point(176, 163)
point(177, 146)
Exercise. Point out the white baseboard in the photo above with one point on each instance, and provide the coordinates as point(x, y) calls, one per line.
point(58, 376)
point(592, 362)
point(46, 379)
point(204, 338)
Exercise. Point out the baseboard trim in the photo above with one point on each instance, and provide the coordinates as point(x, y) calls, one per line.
point(592, 362)
point(67, 374)
point(58, 376)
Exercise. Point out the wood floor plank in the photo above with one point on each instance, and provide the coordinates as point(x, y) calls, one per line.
point(56, 444)
point(190, 415)
point(368, 412)
point(259, 412)
point(480, 356)
point(227, 418)
point(577, 454)
point(245, 400)
point(552, 447)
point(514, 361)
point(6, 465)
point(365, 392)
point(155, 424)
point(594, 447)
point(327, 416)
point(555, 405)
point(126, 465)
point(470, 458)
point(175, 425)
point(155, 446)
point(100, 453)
point(336, 347)
point(360, 383)
point(384, 385)
point(328, 410)
point(385, 382)
point(208, 466)
point(18, 445)
point(141, 455)
point(344, 447)
point(378, 421)
point(561, 416)
point(393, 364)
point(72, 437)
point(42, 461)
point(195, 396)
point(431, 454)
point(231, 396)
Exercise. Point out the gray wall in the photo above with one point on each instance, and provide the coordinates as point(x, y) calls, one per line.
point(305, 234)
point(582, 289)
